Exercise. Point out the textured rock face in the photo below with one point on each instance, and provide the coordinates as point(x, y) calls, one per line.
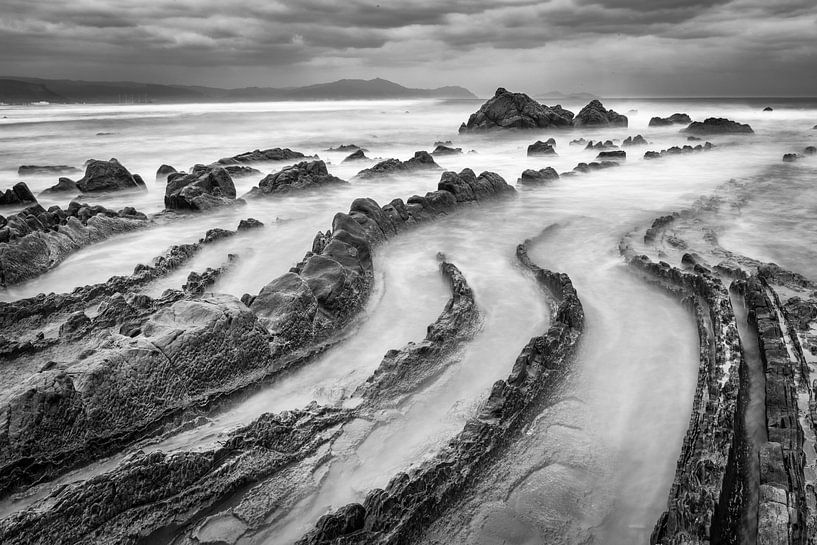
point(443, 149)
point(506, 110)
point(538, 177)
point(595, 115)
point(18, 194)
point(255, 156)
point(107, 176)
point(615, 155)
point(302, 176)
point(674, 119)
point(540, 148)
point(199, 190)
point(718, 125)
point(422, 160)
point(401, 511)
point(35, 240)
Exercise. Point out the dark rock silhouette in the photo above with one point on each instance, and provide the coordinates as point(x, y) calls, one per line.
point(538, 177)
point(422, 160)
point(442, 149)
point(674, 119)
point(302, 176)
point(615, 155)
point(105, 176)
point(506, 110)
point(255, 156)
point(768, 109)
point(541, 148)
point(18, 194)
point(164, 171)
point(358, 155)
point(62, 185)
point(637, 140)
point(595, 115)
point(718, 125)
point(202, 189)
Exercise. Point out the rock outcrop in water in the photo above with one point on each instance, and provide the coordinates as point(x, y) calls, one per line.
point(637, 140)
point(422, 160)
point(303, 176)
point(674, 119)
point(18, 194)
point(676, 150)
point(443, 149)
point(63, 185)
point(258, 156)
point(595, 115)
point(203, 189)
point(358, 155)
point(538, 177)
point(184, 351)
point(33, 170)
point(717, 125)
point(163, 172)
point(540, 148)
point(615, 155)
point(105, 176)
point(506, 110)
point(35, 240)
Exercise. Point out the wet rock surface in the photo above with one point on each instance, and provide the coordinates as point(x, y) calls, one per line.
point(203, 189)
point(717, 125)
point(302, 176)
point(507, 110)
point(17, 194)
point(106, 176)
point(540, 148)
point(596, 115)
point(422, 160)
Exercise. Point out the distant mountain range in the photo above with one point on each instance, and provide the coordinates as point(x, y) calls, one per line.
point(17, 90)
point(558, 95)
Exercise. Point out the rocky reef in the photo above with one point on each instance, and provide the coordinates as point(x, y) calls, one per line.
point(717, 125)
point(302, 176)
point(35, 240)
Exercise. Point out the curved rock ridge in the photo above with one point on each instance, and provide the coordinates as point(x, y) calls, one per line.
point(674, 119)
point(179, 353)
point(302, 176)
point(678, 150)
point(717, 125)
point(17, 194)
point(203, 189)
point(103, 176)
point(538, 177)
point(33, 170)
point(36, 240)
point(595, 115)
point(422, 160)
point(150, 492)
point(257, 156)
point(506, 110)
point(402, 511)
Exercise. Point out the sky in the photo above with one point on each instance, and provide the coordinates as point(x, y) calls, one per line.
point(606, 47)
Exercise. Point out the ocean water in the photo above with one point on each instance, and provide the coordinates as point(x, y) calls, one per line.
point(637, 367)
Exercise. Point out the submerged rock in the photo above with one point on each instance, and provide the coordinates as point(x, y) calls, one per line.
point(578, 142)
point(506, 110)
point(541, 148)
point(299, 177)
point(810, 150)
point(18, 194)
point(617, 154)
point(199, 190)
point(606, 145)
point(595, 115)
point(674, 119)
point(422, 160)
point(790, 157)
point(31, 170)
point(537, 177)
point(718, 125)
point(768, 109)
point(347, 148)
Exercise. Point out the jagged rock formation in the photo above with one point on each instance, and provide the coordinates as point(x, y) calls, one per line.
point(303, 176)
point(506, 110)
point(717, 125)
point(204, 188)
point(606, 145)
point(33, 170)
point(595, 115)
point(256, 156)
point(637, 140)
point(674, 119)
point(18, 194)
point(101, 399)
point(422, 160)
point(540, 148)
point(402, 511)
point(442, 149)
point(36, 240)
point(675, 150)
point(358, 155)
point(103, 176)
point(538, 177)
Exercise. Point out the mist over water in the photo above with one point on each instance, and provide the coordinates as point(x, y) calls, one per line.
point(628, 399)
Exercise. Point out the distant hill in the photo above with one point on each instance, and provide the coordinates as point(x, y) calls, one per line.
point(22, 90)
point(558, 95)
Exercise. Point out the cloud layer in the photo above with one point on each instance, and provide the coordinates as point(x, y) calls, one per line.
point(612, 47)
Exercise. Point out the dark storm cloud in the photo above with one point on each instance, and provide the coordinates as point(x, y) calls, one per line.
point(315, 40)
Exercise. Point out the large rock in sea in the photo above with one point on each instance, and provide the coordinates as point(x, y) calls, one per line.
point(718, 125)
point(541, 148)
point(18, 194)
point(422, 160)
point(674, 119)
point(199, 190)
point(272, 154)
point(506, 110)
point(538, 177)
point(595, 115)
point(108, 176)
point(299, 177)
